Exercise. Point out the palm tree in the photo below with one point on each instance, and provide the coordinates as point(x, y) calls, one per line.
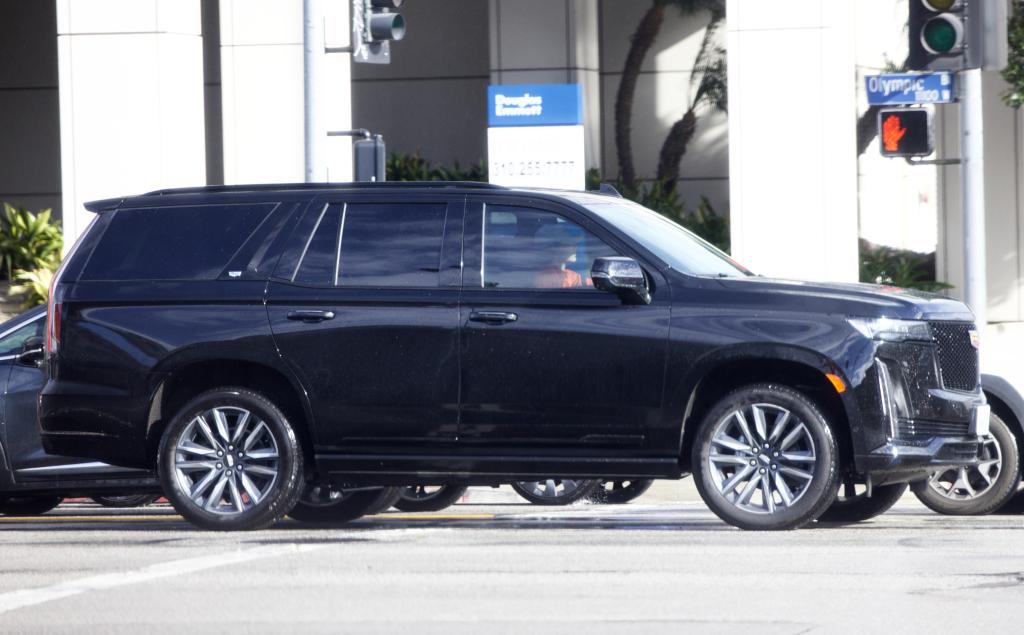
point(640, 43)
point(707, 87)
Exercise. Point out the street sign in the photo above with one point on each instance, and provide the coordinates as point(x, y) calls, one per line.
point(910, 88)
point(535, 136)
point(905, 132)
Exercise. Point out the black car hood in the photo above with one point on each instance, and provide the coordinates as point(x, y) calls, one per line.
point(854, 299)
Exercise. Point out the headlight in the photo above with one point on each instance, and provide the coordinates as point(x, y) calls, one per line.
point(892, 330)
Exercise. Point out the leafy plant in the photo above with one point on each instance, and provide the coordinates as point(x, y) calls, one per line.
point(28, 241)
point(413, 167)
point(1014, 71)
point(33, 285)
point(899, 268)
point(703, 220)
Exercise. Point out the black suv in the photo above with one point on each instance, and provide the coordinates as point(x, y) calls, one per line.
point(260, 345)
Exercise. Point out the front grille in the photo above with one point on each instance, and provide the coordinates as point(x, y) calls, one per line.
point(958, 359)
point(907, 429)
point(958, 452)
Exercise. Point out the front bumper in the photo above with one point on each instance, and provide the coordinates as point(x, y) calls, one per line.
point(900, 461)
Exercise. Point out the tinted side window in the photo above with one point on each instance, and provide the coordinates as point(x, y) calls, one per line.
point(173, 243)
point(391, 245)
point(527, 248)
point(14, 341)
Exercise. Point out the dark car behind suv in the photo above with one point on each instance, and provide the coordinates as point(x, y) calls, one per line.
point(257, 342)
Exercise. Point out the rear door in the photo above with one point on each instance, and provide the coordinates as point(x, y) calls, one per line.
point(364, 308)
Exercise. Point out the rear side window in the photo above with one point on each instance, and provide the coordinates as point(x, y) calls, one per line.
point(381, 245)
point(173, 243)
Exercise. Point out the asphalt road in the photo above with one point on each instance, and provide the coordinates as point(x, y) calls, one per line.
point(496, 566)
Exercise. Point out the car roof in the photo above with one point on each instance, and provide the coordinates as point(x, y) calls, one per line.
point(159, 197)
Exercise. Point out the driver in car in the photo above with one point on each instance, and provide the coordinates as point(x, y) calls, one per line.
point(559, 246)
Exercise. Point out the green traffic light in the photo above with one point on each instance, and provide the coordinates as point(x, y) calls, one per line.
point(941, 34)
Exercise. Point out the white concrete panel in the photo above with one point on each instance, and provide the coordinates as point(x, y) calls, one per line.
point(263, 113)
point(787, 15)
point(337, 102)
point(251, 22)
point(174, 16)
point(145, 138)
point(106, 16)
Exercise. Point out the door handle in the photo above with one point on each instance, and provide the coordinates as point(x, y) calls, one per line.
point(311, 315)
point(493, 317)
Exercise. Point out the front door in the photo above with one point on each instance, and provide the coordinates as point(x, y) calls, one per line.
point(550, 364)
point(364, 309)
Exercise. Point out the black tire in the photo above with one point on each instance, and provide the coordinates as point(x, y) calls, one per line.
point(620, 492)
point(527, 490)
point(860, 507)
point(1003, 486)
point(28, 505)
point(417, 499)
point(282, 490)
point(387, 502)
point(126, 500)
point(323, 504)
point(820, 452)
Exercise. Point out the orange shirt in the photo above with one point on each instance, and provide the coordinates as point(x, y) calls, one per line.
point(556, 278)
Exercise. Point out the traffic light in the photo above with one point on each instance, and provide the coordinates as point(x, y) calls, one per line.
point(374, 25)
point(906, 132)
point(950, 35)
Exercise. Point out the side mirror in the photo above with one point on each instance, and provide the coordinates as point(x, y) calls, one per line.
point(622, 276)
point(31, 351)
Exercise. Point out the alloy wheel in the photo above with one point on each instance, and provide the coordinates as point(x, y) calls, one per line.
point(554, 487)
point(762, 458)
point(967, 483)
point(226, 460)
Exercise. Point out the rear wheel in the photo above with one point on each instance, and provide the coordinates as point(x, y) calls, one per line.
point(555, 491)
point(28, 505)
point(765, 458)
point(429, 498)
point(230, 460)
point(979, 489)
point(127, 500)
point(852, 506)
point(620, 492)
point(326, 504)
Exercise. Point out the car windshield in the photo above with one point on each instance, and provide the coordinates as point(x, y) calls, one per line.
point(681, 249)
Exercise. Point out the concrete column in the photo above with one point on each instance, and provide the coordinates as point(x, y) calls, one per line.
point(130, 76)
point(792, 139)
point(545, 42)
point(261, 80)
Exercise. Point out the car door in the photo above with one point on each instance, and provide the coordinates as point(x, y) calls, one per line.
point(364, 309)
point(550, 364)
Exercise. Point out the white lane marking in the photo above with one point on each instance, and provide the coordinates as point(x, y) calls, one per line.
point(13, 600)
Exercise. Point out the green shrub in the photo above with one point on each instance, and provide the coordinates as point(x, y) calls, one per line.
point(413, 167)
point(28, 241)
point(899, 268)
point(33, 286)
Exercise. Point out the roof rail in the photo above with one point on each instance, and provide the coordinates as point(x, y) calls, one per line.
point(263, 187)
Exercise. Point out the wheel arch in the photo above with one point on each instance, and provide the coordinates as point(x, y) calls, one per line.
point(804, 370)
point(1008, 404)
point(185, 382)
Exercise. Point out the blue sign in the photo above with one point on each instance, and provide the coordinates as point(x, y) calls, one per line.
point(910, 88)
point(534, 105)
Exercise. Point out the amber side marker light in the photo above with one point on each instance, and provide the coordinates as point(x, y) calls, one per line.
point(837, 382)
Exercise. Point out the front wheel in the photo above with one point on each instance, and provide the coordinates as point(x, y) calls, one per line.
point(126, 500)
point(28, 505)
point(979, 489)
point(429, 498)
point(620, 492)
point(230, 460)
point(555, 491)
point(854, 507)
point(765, 458)
point(326, 504)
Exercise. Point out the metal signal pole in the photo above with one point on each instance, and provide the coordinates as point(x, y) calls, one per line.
point(972, 150)
point(312, 56)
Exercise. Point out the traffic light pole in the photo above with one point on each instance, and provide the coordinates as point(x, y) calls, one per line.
point(972, 151)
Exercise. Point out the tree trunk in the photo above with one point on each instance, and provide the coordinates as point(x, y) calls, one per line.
point(674, 148)
point(640, 43)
